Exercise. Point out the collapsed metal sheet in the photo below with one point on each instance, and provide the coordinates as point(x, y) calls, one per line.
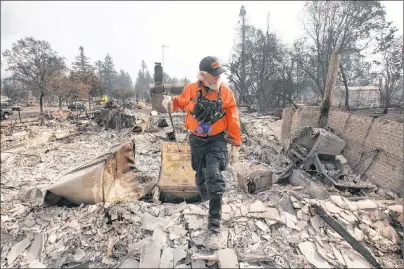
point(316, 147)
point(109, 178)
point(321, 141)
point(312, 142)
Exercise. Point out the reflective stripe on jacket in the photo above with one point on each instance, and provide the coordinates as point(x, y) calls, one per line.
point(230, 122)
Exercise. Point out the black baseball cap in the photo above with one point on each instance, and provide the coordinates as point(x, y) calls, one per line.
point(211, 65)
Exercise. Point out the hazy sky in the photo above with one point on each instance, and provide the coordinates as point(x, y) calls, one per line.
point(133, 31)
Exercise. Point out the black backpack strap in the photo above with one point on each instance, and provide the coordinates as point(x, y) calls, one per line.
point(200, 86)
point(219, 99)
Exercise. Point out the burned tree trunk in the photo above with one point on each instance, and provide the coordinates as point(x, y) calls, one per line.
point(386, 99)
point(41, 102)
point(331, 79)
point(347, 108)
point(60, 102)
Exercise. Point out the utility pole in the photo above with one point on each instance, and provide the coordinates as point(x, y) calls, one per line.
point(162, 61)
point(268, 23)
point(242, 15)
point(163, 46)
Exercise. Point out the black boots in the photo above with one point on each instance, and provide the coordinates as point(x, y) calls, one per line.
point(214, 218)
point(215, 208)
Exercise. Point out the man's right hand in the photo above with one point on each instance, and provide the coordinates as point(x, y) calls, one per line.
point(167, 103)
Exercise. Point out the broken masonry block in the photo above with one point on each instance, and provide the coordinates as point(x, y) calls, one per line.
point(301, 178)
point(227, 258)
point(253, 178)
point(149, 256)
point(30, 195)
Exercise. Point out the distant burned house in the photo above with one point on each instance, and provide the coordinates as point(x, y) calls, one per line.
point(359, 96)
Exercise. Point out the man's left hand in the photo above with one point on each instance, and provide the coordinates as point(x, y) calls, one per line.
point(234, 154)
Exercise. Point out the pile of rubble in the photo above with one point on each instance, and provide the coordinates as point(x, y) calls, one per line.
point(278, 225)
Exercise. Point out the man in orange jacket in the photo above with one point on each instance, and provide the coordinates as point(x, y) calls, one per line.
point(211, 112)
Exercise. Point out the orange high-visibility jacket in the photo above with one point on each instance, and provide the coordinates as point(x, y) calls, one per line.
point(188, 98)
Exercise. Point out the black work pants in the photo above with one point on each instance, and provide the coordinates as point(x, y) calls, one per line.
point(209, 159)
